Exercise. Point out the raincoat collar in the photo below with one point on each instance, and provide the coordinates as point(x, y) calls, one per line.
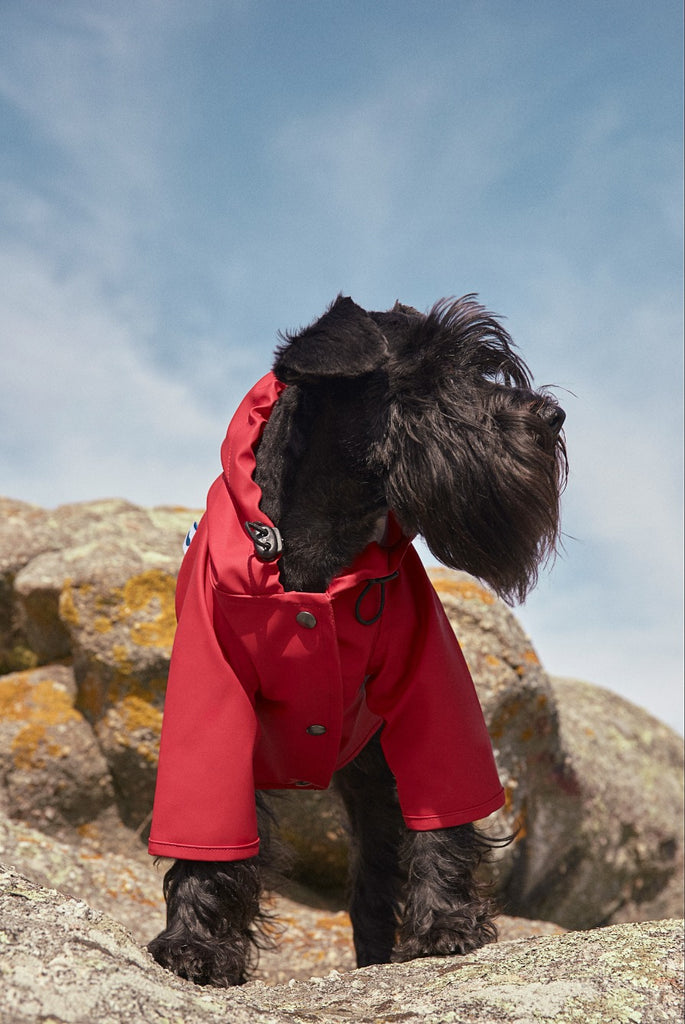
point(234, 498)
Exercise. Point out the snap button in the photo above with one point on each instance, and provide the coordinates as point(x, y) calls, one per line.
point(306, 619)
point(316, 730)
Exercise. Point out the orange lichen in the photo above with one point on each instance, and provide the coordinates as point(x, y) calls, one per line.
point(97, 695)
point(38, 706)
point(88, 830)
point(508, 809)
point(139, 714)
point(145, 606)
point(137, 725)
point(67, 606)
point(470, 590)
point(499, 727)
point(32, 745)
point(135, 897)
point(334, 921)
point(158, 589)
point(122, 659)
point(45, 700)
point(91, 699)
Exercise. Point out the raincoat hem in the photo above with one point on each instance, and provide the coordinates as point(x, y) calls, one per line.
point(181, 851)
point(426, 822)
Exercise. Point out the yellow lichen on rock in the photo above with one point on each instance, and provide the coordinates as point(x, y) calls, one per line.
point(67, 606)
point(32, 746)
point(445, 582)
point(144, 607)
point(122, 659)
point(38, 707)
point(158, 589)
point(44, 701)
point(138, 714)
point(132, 724)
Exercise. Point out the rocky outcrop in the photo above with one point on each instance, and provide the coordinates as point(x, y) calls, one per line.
point(94, 582)
point(64, 961)
point(593, 784)
point(45, 554)
point(603, 819)
point(310, 938)
point(124, 884)
point(53, 772)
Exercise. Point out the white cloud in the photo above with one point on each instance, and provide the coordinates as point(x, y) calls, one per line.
point(84, 414)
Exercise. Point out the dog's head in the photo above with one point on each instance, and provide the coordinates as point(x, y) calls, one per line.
point(440, 413)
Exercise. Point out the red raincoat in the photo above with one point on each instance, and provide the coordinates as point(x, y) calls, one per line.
point(261, 696)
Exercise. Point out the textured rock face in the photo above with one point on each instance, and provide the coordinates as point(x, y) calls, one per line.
point(110, 870)
point(619, 850)
point(64, 961)
point(95, 582)
point(55, 775)
point(593, 784)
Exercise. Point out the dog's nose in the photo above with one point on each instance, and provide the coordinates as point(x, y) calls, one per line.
point(554, 417)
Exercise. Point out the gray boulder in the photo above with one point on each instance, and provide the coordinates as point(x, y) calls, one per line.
point(593, 783)
point(124, 884)
point(64, 961)
point(23, 534)
point(46, 547)
point(603, 820)
point(52, 771)
point(95, 582)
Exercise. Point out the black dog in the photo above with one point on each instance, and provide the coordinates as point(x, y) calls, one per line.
point(382, 426)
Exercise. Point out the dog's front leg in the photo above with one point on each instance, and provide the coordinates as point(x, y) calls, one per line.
point(447, 908)
point(368, 791)
point(213, 913)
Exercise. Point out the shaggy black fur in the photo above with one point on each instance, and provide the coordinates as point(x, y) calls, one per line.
point(216, 924)
point(435, 418)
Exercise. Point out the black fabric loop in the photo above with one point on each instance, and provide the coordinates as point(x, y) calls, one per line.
point(381, 581)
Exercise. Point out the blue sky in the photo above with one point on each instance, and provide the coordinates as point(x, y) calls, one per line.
point(179, 180)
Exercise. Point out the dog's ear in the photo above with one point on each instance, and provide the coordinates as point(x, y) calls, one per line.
point(344, 342)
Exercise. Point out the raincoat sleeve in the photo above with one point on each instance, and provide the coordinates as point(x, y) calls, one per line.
point(204, 805)
point(435, 738)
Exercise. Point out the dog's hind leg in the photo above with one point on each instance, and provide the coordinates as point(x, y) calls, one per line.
point(448, 909)
point(368, 791)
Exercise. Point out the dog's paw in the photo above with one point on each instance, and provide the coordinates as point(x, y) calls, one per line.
point(445, 941)
point(198, 963)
